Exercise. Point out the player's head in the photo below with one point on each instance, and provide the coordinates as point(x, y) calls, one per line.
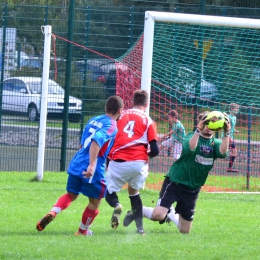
point(173, 116)
point(140, 98)
point(114, 106)
point(206, 133)
point(234, 108)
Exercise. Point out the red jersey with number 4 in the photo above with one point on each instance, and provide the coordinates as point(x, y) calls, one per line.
point(135, 130)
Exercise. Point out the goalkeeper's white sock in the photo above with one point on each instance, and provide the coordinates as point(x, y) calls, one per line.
point(147, 212)
point(173, 217)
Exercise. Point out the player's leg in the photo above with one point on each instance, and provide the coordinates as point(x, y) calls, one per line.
point(232, 157)
point(73, 187)
point(138, 175)
point(184, 225)
point(164, 210)
point(88, 216)
point(115, 178)
point(185, 207)
point(137, 209)
point(95, 192)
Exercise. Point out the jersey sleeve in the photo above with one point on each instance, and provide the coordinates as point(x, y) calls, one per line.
point(217, 144)
point(104, 134)
point(152, 132)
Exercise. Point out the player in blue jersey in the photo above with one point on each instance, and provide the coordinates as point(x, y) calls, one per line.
point(87, 167)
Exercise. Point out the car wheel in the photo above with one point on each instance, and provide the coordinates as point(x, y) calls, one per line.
point(74, 118)
point(33, 114)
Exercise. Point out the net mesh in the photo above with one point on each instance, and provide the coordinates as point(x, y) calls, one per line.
point(197, 68)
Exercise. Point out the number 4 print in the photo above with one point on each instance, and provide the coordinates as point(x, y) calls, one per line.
point(129, 128)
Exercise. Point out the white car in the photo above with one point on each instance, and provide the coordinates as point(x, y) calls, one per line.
point(22, 95)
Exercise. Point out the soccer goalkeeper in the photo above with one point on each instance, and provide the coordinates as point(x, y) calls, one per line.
point(183, 182)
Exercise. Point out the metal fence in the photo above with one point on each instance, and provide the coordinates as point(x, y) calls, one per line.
point(87, 41)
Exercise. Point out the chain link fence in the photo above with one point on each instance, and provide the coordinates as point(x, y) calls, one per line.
point(85, 44)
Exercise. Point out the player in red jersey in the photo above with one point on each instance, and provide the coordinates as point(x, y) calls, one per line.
point(135, 142)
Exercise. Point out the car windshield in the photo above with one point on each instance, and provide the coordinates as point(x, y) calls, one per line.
point(54, 88)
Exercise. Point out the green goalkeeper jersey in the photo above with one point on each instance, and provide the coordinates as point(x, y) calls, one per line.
point(193, 166)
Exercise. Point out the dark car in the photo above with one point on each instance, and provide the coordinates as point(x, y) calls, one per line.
point(36, 63)
point(96, 69)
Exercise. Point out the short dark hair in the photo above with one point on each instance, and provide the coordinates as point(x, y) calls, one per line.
point(140, 97)
point(173, 113)
point(113, 104)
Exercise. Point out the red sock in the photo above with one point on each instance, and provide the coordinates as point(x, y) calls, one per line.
point(62, 203)
point(88, 217)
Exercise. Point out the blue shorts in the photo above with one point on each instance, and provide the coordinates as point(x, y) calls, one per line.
point(77, 185)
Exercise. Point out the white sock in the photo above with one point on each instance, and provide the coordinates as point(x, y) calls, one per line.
point(173, 217)
point(147, 212)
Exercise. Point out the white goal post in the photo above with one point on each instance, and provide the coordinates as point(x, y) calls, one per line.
point(47, 31)
point(151, 17)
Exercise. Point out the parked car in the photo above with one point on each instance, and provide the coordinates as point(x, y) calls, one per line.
point(22, 95)
point(186, 84)
point(36, 63)
point(32, 62)
point(97, 70)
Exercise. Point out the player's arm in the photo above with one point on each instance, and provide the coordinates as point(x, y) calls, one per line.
point(195, 138)
point(166, 135)
point(93, 153)
point(154, 148)
point(225, 141)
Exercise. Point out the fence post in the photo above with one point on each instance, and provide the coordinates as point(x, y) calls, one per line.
point(132, 18)
point(248, 168)
point(46, 10)
point(202, 6)
point(3, 62)
point(84, 85)
point(67, 87)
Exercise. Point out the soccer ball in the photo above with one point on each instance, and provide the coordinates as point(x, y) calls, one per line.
point(215, 120)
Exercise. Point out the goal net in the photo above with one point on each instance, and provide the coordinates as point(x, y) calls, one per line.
point(194, 63)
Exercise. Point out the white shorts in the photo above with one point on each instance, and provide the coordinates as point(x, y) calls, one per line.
point(177, 147)
point(119, 173)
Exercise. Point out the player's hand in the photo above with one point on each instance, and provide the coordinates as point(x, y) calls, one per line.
point(89, 172)
point(202, 122)
point(227, 125)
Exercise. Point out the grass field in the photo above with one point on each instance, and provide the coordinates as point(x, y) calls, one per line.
point(226, 226)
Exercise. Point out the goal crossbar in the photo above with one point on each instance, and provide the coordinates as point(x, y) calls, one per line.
point(151, 17)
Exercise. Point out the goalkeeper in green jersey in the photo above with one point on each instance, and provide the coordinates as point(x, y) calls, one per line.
point(188, 174)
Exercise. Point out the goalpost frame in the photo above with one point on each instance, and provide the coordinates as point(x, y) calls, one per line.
point(152, 16)
point(47, 31)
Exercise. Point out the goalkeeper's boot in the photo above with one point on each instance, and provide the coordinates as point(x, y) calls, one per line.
point(85, 233)
point(129, 218)
point(115, 220)
point(45, 221)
